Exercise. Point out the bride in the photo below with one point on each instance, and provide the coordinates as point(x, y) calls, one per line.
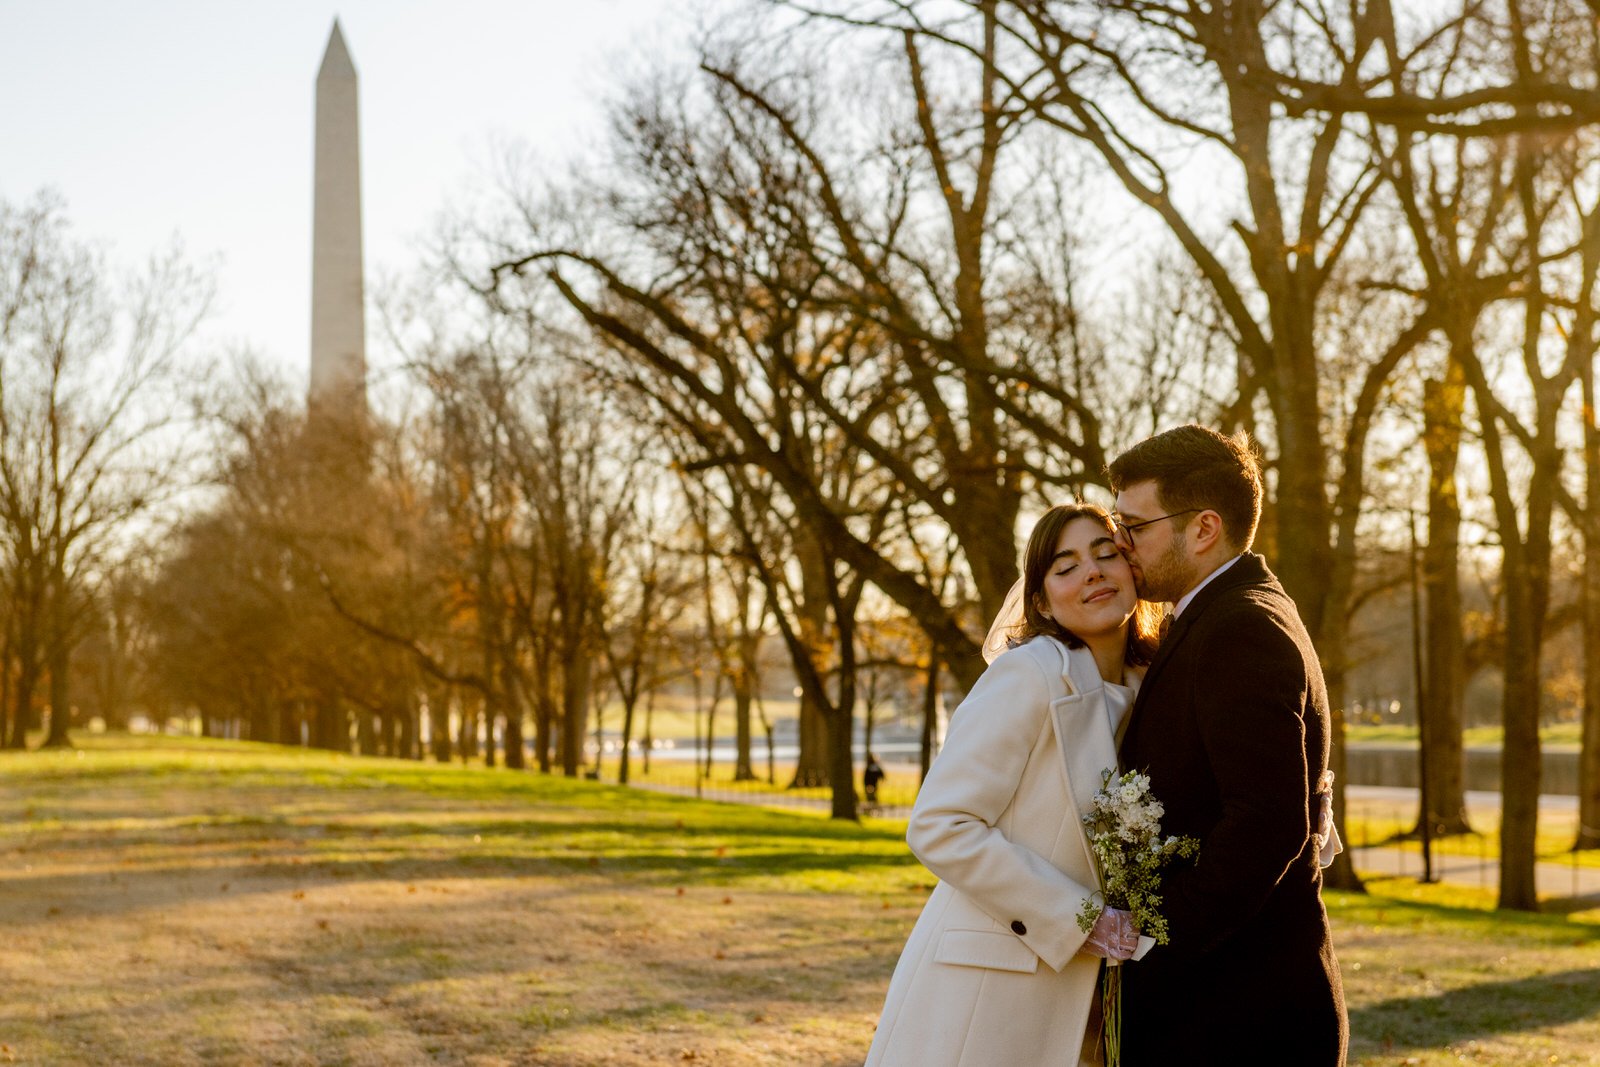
point(996, 969)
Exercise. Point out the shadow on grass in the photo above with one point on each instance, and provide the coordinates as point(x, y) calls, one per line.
point(1549, 923)
point(394, 825)
point(46, 897)
point(1478, 1011)
point(1570, 905)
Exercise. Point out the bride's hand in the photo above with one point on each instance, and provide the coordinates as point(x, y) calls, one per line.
point(1113, 936)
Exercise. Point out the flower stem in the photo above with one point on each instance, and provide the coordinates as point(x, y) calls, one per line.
point(1111, 1005)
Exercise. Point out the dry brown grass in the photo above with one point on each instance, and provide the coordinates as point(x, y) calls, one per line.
point(281, 916)
point(174, 903)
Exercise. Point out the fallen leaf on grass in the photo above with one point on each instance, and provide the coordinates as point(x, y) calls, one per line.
point(727, 900)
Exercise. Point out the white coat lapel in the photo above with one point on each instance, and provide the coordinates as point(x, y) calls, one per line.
point(1083, 733)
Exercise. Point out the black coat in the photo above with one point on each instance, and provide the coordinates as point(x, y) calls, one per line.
point(1231, 724)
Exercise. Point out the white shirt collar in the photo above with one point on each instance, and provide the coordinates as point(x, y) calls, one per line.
point(1183, 601)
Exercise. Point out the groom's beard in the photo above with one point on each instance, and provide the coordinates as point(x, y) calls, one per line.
point(1168, 577)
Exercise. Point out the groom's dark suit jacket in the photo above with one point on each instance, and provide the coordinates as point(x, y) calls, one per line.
point(1231, 724)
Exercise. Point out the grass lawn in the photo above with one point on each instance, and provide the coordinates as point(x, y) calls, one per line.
point(176, 901)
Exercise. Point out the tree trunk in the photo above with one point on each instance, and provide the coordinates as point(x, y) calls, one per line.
point(930, 718)
point(259, 722)
point(544, 716)
point(867, 715)
point(744, 686)
point(574, 709)
point(286, 727)
point(841, 764)
point(711, 719)
point(743, 701)
point(60, 690)
point(1520, 757)
point(467, 737)
point(408, 735)
point(1443, 406)
point(332, 727)
point(27, 680)
point(439, 738)
point(5, 684)
point(1304, 552)
point(516, 755)
point(1589, 753)
point(1342, 873)
point(366, 731)
point(629, 700)
point(812, 764)
point(649, 739)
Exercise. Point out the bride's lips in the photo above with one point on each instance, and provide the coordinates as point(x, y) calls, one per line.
point(1098, 595)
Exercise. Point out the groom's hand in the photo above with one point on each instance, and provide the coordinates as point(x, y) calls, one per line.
point(1113, 936)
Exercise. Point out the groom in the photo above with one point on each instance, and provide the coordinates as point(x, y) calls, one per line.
point(1231, 724)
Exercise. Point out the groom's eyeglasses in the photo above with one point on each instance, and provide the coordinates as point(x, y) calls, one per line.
point(1126, 528)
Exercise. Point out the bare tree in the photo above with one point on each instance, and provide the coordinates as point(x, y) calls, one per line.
point(645, 601)
point(1558, 301)
point(86, 414)
point(745, 216)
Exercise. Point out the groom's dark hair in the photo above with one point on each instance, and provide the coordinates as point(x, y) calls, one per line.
point(1200, 469)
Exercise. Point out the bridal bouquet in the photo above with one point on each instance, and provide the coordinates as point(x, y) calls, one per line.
point(1124, 829)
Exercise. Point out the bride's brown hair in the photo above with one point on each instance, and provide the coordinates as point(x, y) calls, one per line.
point(1143, 628)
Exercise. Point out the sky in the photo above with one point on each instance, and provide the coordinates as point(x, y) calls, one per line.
point(192, 120)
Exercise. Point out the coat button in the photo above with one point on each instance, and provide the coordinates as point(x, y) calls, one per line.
point(1017, 927)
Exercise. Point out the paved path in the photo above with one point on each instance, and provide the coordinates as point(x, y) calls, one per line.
point(1554, 881)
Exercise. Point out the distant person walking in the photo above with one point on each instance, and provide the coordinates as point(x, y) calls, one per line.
point(871, 778)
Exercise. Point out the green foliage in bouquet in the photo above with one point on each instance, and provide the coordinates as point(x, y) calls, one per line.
point(1124, 829)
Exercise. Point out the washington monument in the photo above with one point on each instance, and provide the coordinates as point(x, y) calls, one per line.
point(338, 315)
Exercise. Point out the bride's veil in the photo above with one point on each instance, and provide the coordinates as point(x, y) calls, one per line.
point(1005, 623)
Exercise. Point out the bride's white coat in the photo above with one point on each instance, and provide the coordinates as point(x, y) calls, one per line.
point(992, 973)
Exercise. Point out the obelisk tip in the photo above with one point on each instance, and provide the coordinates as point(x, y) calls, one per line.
point(336, 59)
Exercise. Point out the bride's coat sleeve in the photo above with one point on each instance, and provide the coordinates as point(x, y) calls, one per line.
point(957, 830)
